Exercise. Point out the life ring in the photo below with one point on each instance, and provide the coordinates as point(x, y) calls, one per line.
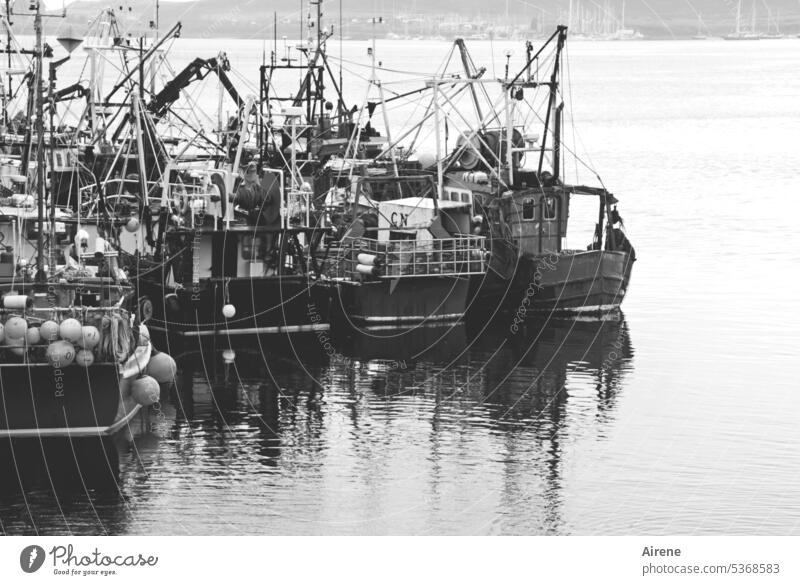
point(145, 309)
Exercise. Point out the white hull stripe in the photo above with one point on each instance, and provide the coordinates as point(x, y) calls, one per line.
point(408, 319)
point(248, 331)
point(69, 432)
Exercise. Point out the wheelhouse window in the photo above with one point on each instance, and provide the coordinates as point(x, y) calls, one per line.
point(528, 209)
point(549, 208)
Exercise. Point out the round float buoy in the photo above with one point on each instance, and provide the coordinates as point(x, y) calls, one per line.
point(49, 331)
point(84, 358)
point(33, 336)
point(145, 391)
point(228, 356)
point(16, 328)
point(162, 367)
point(90, 337)
point(60, 354)
point(229, 311)
point(70, 330)
point(132, 225)
point(17, 346)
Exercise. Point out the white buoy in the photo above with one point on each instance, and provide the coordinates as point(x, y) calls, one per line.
point(16, 328)
point(60, 354)
point(90, 337)
point(49, 331)
point(228, 356)
point(229, 311)
point(33, 336)
point(17, 346)
point(145, 391)
point(132, 225)
point(17, 301)
point(70, 330)
point(162, 367)
point(367, 259)
point(84, 358)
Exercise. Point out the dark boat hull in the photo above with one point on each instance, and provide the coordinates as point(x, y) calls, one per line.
point(273, 304)
point(402, 301)
point(38, 400)
point(586, 281)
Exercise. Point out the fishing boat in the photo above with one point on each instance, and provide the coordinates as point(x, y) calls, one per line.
point(408, 256)
point(75, 360)
point(513, 176)
point(229, 244)
point(231, 265)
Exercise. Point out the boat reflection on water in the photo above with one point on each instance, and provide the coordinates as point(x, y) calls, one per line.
point(391, 432)
point(401, 346)
point(550, 361)
point(235, 398)
point(60, 485)
point(29, 464)
point(558, 382)
point(508, 414)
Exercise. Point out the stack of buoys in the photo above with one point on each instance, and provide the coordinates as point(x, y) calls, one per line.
point(369, 264)
point(97, 338)
point(68, 341)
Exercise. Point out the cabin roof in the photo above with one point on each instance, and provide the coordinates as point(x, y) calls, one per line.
point(426, 203)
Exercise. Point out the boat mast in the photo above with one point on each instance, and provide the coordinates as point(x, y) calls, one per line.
point(739, 18)
point(8, 93)
point(551, 104)
point(37, 87)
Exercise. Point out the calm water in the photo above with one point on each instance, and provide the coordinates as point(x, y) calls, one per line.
point(680, 417)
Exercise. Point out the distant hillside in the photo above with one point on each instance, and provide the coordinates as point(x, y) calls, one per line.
point(254, 18)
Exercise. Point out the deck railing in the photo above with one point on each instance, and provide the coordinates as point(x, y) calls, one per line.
point(366, 258)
